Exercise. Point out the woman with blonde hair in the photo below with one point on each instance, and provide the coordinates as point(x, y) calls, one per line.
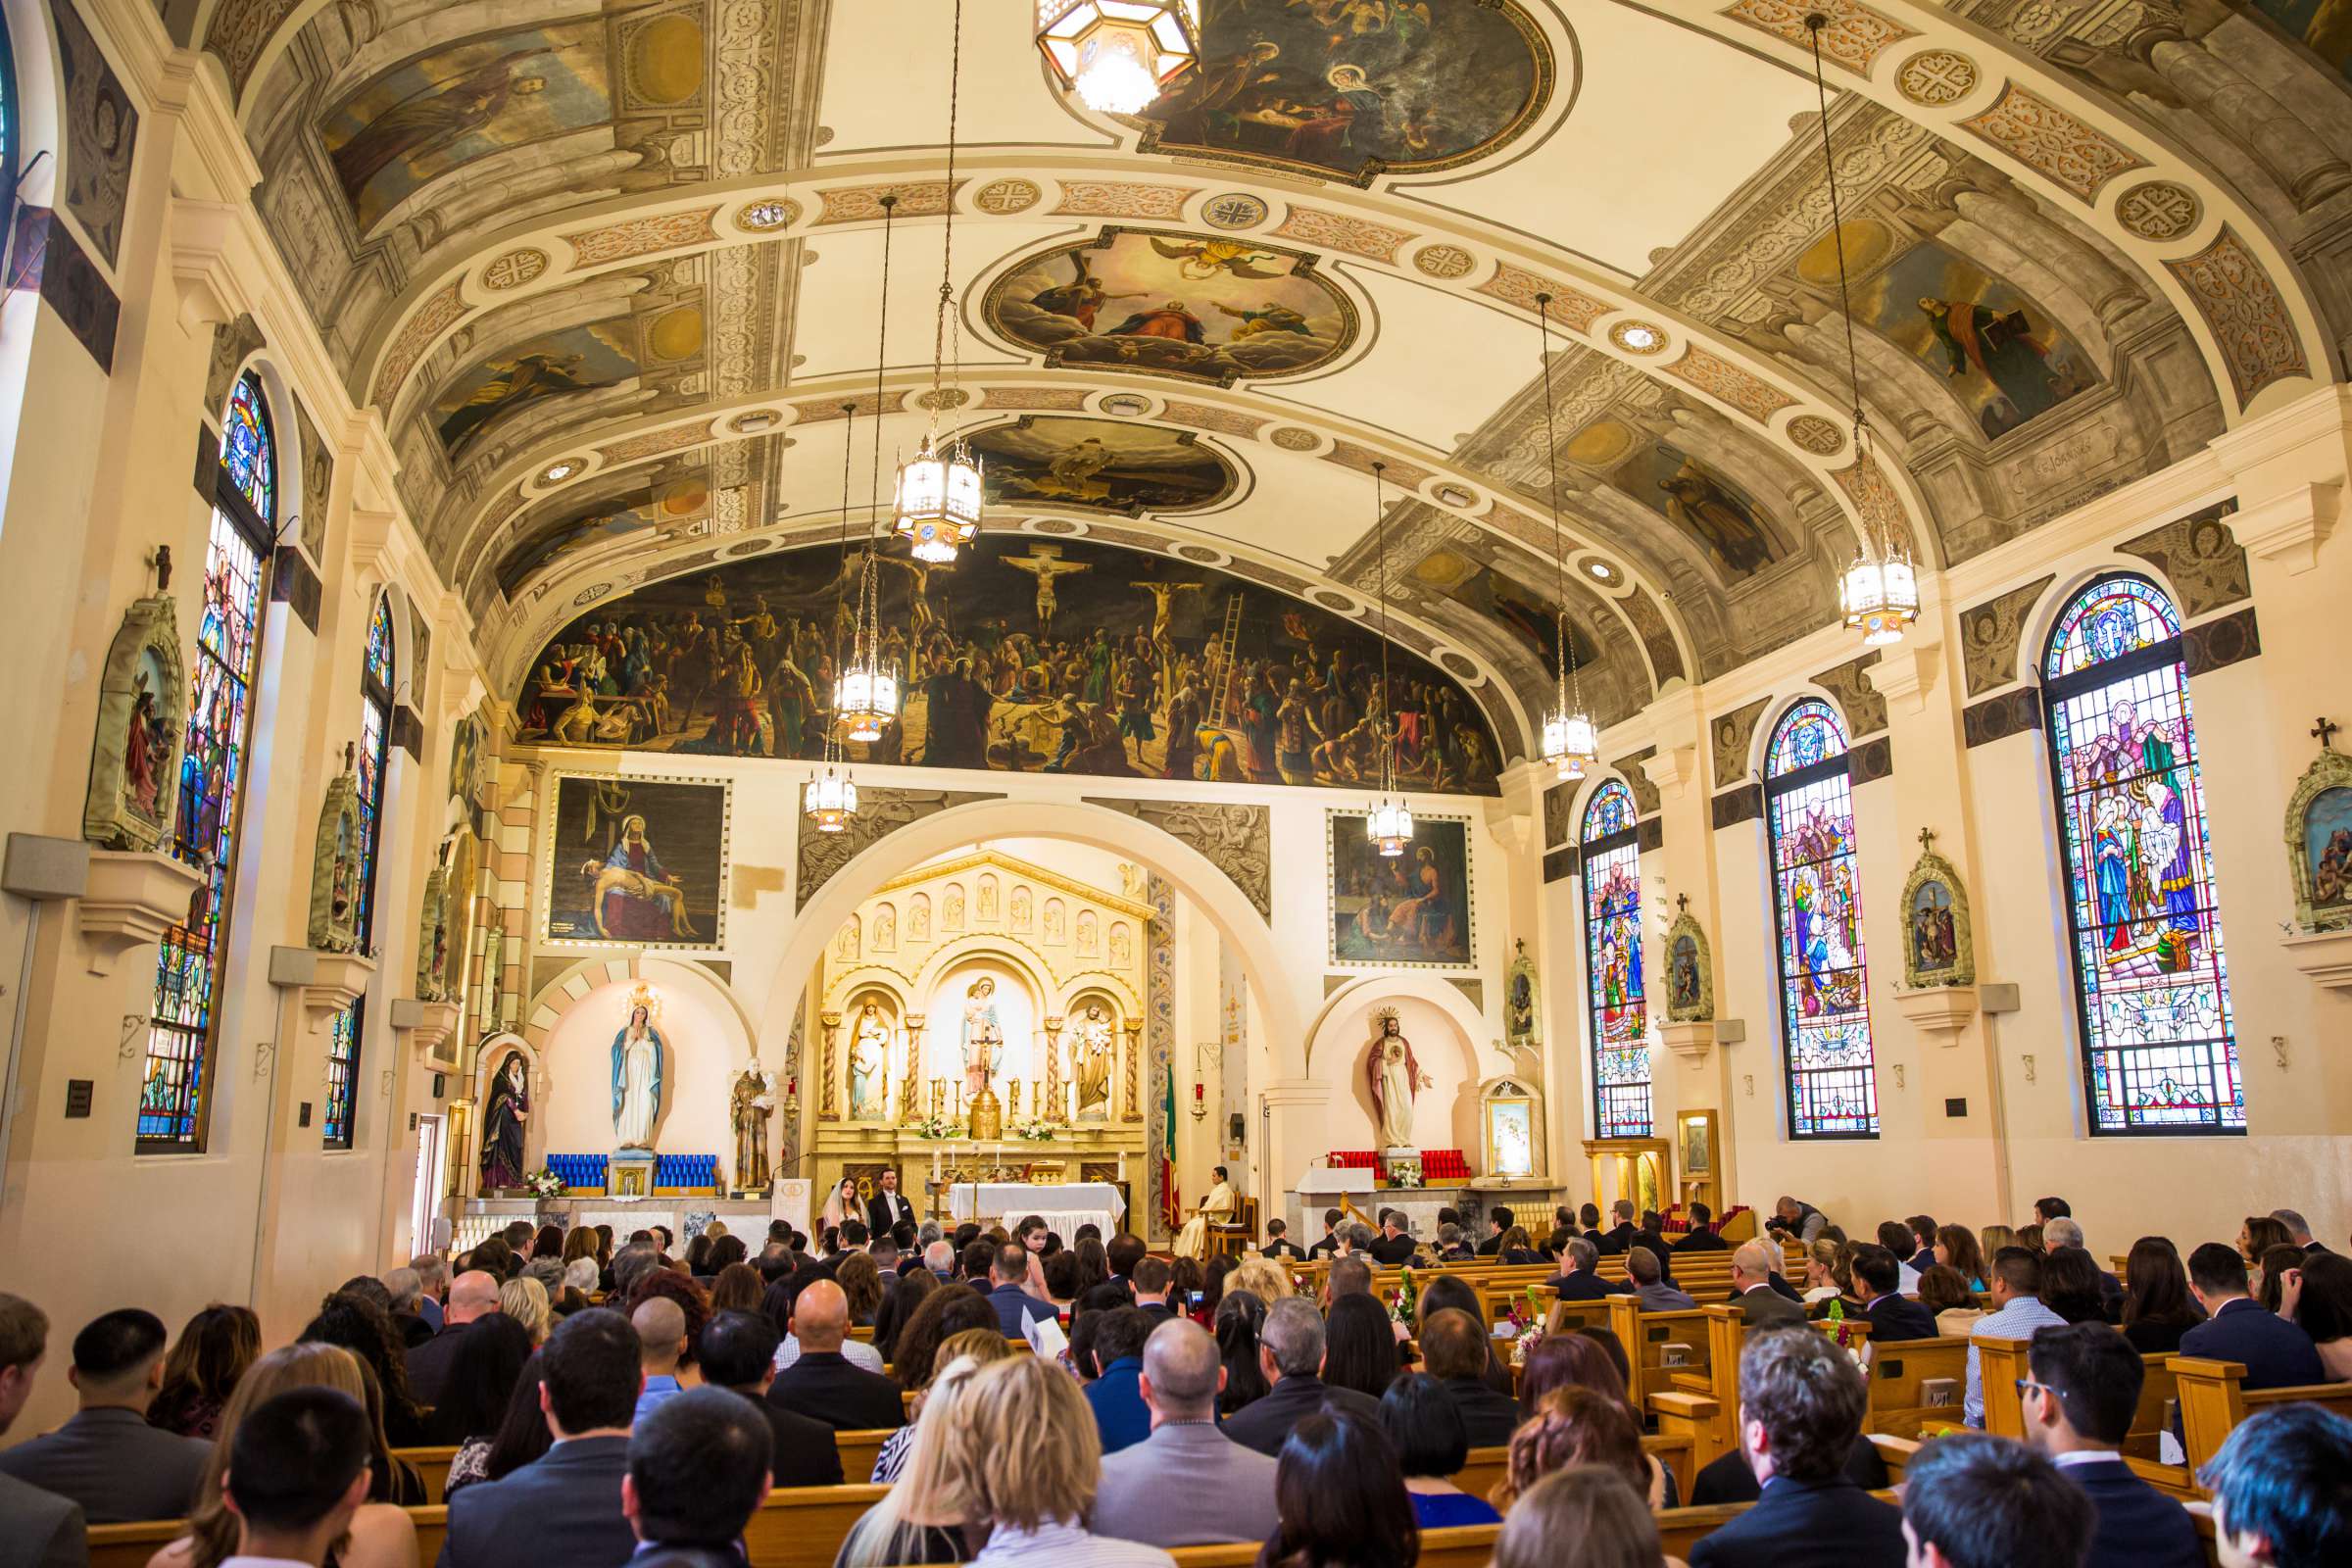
point(980, 1347)
point(1023, 1459)
point(918, 1519)
point(380, 1535)
point(1261, 1277)
point(1590, 1505)
point(525, 1300)
point(1991, 1238)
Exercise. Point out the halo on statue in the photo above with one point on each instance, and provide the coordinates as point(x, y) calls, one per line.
point(645, 994)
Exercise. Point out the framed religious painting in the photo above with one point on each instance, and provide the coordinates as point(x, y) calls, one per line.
point(638, 862)
point(1409, 911)
point(2319, 843)
point(1938, 947)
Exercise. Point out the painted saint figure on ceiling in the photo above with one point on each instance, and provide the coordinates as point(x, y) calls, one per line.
point(432, 119)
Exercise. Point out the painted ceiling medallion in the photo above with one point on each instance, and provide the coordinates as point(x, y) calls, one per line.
point(1933, 77)
point(1638, 337)
point(1817, 435)
point(1444, 261)
point(755, 421)
point(1455, 494)
point(2159, 209)
point(1001, 198)
point(1126, 404)
point(1293, 439)
point(1234, 210)
point(557, 473)
point(1602, 572)
point(514, 268)
point(765, 216)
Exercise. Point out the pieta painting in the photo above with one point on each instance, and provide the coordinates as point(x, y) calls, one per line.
point(1412, 908)
point(637, 861)
point(1937, 950)
point(135, 760)
point(2319, 843)
point(1690, 973)
point(336, 864)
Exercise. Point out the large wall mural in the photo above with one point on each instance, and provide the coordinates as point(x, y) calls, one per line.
point(453, 105)
point(1028, 655)
point(1175, 304)
point(1099, 466)
point(1355, 87)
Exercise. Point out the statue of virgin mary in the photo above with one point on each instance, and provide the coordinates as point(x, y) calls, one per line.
point(637, 1051)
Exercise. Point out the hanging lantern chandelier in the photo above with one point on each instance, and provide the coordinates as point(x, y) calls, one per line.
point(1571, 740)
point(1879, 593)
point(1390, 826)
point(831, 799)
point(865, 697)
point(936, 508)
point(1118, 55)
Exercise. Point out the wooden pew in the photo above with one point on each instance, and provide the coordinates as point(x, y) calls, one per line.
point(1463, 1546)
point(1896, 1373)
point(1701, 1405)
point(859, 1451)
point(433, 1465)
point(803, 1526)
point(2214, 1400)
point(1645, 1337)
point(2001, 1362)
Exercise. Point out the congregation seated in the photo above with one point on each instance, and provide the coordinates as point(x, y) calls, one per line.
point(489, 1362)
point(1279, 1245)
point(297, 1476)
point(1620, 1236)
point(1579, 1280)
point(699, 1467)
point(1892, 1316)
point(1395, 1244)
point(1763, 1298)
point(1554, 1431)
point(1423, 1422)
point(1801, 1404)
point(1186, 1456)
point(472, 1294)
point(1455, 1349)
point(215, 1347)
point(1339, 1496)
point(2016, 1311)
point(2279, 1499)
point(1645, 1267)
point(1701, 1237)
point(1115, 1394)
point(1590, 1506)
point(1290, 1354)
point(1973, 1501)
point(1943, 1293)
point(821, 1382)
point(1027, 1467)
point(44, 1529)
point(107, 1459)
point(2276, 1353)
point(660, 1326)
point(2158, 1309)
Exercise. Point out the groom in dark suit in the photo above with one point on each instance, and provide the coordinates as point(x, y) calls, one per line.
point(888, 1206)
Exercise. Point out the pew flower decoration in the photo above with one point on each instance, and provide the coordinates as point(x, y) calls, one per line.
point(544, 1183)
point(1409, 1294)
point(1842, 1332)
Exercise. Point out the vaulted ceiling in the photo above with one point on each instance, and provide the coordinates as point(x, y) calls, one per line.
point(613, 275)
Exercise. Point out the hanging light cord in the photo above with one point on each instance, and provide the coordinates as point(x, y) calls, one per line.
point(867, 638)
point(1552, 456)
point(1380, 548)
point(947, 248)
point(841, 584)
point(1853, 363)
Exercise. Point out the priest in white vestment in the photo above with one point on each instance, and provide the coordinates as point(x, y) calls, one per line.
point(1219, 1204)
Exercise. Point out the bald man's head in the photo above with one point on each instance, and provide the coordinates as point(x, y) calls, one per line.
point(1182, 1373)
point(660, 1325)
point(820, 1317)
point(1751, 1264)
point(474, 1293)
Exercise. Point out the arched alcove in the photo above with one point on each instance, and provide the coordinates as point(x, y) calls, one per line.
point(707, 1040)
point(1443, 1029)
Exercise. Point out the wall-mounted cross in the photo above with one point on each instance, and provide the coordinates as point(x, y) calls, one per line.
point(1927, 840)
point(2325, 733)
point(1682, 903)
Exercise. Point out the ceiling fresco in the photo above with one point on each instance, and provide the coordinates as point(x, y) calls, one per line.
point(631, 240)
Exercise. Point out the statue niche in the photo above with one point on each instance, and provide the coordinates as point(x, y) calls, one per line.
point(142, 720)
point(1396, 1078)
point(432, 933)
point(335, 862)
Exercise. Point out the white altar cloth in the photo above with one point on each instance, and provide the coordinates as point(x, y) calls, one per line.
point(1062, 1206)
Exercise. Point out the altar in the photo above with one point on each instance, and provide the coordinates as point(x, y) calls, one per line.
point(1062, 1206)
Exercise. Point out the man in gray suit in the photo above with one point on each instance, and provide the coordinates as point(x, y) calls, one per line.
point(1751, 1287)
point(37, 1528)
point(107, 1458)
point(1185, 1460)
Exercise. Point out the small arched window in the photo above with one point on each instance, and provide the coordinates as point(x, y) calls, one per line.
point(175, 1086)
point(1817, 918)
point(1612, 861)
point(2158, 1050)
point(375, 727)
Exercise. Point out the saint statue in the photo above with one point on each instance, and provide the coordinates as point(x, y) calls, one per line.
point(983, 1037)
point(1090, 1064)
point(637, 1049)
point(504, 1111)
point(1396, 1077)
point(747, 1105)
point(869, 1059)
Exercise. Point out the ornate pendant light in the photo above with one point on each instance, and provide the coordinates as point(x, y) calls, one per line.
point(866, 698)
point(1571, 742)
point(938, 500)
point(1390, 826)
point(1118, 55)
point(1879, 595)
point(831, 800)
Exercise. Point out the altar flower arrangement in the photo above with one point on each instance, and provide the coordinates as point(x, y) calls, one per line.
point(1403, 1173)
point(544, 1183)
point(1036, 1132)
point(936, 1127)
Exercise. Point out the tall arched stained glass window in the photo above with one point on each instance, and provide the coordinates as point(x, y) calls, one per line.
point(1612, 857)
point(1817, 917)
point(2159, 1052)
point(375, 721)
point(176, 1089)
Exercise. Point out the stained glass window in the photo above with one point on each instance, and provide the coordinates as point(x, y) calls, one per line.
point(175, 1089)
point(1612, 857)
point(376, 708)
point(1817, 918)
point(2160, 1054)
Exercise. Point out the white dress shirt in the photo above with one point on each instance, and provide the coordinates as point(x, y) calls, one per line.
point(2016, 1321)
point(1064, 1546)
point(858, 1353)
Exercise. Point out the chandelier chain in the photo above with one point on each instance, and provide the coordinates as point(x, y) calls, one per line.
point(1559, 538)
point(1380, 549)
point(1853, 362)
point(841, 583)
point(868, 639)
point(947, 248)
